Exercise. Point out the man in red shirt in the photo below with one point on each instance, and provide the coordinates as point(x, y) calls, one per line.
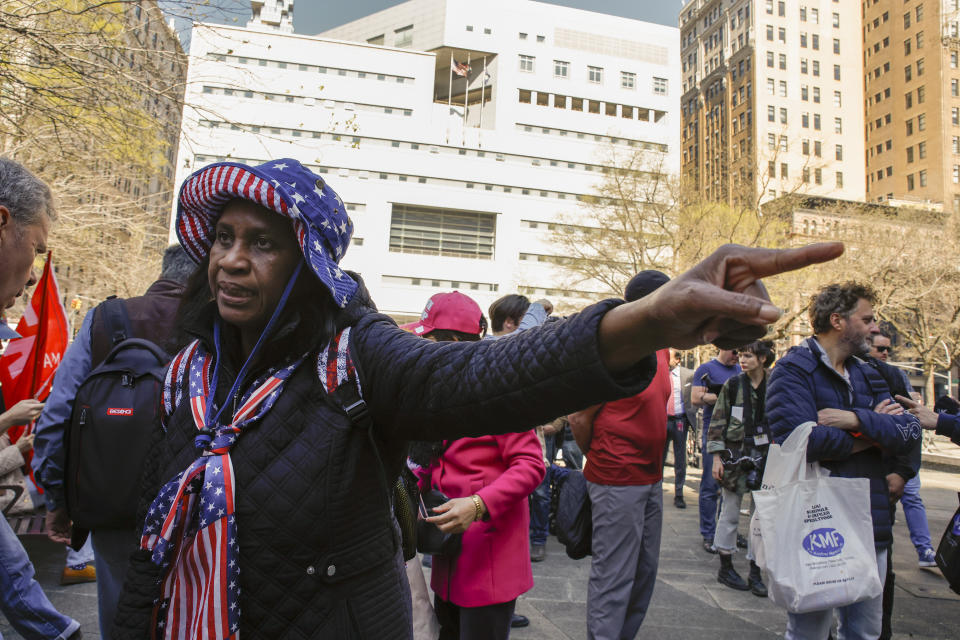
point(624, 473)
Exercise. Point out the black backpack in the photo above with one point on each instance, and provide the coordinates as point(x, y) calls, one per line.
point(109, 433)
point(575, 516)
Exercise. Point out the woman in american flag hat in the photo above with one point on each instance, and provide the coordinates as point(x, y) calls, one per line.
point(265, 507)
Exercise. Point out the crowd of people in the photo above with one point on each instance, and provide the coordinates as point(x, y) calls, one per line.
point(290, 405)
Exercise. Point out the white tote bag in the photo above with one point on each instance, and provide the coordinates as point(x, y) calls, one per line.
point(815, 531)
point(425, 625)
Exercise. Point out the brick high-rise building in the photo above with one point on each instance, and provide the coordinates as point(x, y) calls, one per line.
point(772, 99)
point(912, 101)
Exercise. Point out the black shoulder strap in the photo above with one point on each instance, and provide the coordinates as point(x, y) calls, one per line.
point(877, 381)
point(115, 320)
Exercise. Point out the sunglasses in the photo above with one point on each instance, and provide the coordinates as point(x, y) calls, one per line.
point(883, 349)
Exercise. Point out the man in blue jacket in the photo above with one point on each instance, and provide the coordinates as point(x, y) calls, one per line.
point(822, 380)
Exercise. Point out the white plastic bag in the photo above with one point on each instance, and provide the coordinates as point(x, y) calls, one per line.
point(425, 625)
point(815, 532)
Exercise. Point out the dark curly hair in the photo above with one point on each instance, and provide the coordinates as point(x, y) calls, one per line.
point(837, 298)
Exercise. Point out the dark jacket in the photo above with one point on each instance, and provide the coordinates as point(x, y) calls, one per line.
point(949, 425)
point(906, 465)
point(151, 318)
point(318, 559)
point(802, 383)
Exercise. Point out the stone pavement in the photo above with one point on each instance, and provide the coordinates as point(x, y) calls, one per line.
point(688, 602)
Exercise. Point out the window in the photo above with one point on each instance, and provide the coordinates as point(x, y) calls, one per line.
point(442, 232)
point(955, 146)
point(837, 99)
point(783, 143)
point(818, 173)
point(922, 122)
point(919, 12)
point(783, 88)
point(803, 40)
point(815, 16)
point(816, 42)
point(771, 141)
point(953, 59)
point(770, 60)
point(806, 175)
point(772, 169)
point(836, 72)
point(838, 125)
point(816, 68)
point(403, 37)
point(561, 69)
point(838, 154)
point(771, 87)
point(922, 150)
point(541, 38)
point(769, 4)
point(469, 27)
point(660, 86)
point(920, 40)
point(909, 154)
point(955, 116)
point(784, 173)
point(771, 113)
point(783, 61)
point(781, 8)
point(804, 120)
point(816, 121)
point(920, 66)
point(522, 35)
point(818, 148)
point(908, 73)
point(956, 174)
point(839, 179)
point(628, 80)
point(906, 46)
point(782, 35)
point(595, 74)
point(954, 88)
point(525, 97)
point(923, 172)
point(770, 32)
point(910, 177)
point(908, 99)
point(836, 46)
point(909, 127)
point(921, 94)
point(805, 147)
point(906, 20)
point(836, 23)
point(803, 65)
point(804, 92)
point(526, 63)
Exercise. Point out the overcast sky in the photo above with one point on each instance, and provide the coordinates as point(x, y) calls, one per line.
point(314, 16)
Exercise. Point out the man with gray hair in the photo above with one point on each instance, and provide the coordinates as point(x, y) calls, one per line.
point(150, 317)
point(26, 214)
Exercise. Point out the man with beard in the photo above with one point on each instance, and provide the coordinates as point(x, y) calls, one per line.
point(822, 380)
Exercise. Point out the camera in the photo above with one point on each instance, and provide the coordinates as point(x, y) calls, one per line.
point(750, 462)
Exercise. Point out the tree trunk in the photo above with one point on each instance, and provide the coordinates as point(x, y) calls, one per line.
point(928, 392)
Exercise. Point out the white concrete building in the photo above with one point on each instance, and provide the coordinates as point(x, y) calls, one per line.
point(443, 199)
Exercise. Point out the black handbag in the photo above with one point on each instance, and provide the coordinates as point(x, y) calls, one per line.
point(948, 552)
point(430, 540)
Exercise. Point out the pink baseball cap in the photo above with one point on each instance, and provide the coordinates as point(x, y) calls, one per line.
point(452, 311)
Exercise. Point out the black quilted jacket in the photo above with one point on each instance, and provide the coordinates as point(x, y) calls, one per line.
point(318, 558)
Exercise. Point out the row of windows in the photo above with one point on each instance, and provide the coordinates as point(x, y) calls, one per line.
point(561, 69)
point(805, 174)
point(406, 281)
point(543, 99)
point(310, 68)
point(357, 141)
point(307, 101)
point(580, 135)
point(805, 93)
point(442, 232)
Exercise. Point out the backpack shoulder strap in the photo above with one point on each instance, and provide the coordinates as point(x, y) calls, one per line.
point(116, 320)
point(878, 383)
point(340, 380)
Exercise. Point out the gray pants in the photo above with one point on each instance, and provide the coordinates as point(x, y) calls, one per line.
point(626, 550)
point(112, 549)
point(725, 538)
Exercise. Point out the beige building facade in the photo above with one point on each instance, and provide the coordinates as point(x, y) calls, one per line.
point(912, 102)
point(772, 101)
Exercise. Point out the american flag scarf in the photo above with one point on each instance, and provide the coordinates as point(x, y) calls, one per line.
point(190, 527)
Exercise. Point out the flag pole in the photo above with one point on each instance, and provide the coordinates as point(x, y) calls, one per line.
point(449, 96)
point(466, 96)
point(40, 338)
point(483, 87)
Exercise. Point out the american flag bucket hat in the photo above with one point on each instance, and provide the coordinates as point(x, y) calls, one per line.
point(284, 186)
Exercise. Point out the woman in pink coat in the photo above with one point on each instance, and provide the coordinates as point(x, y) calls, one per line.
point(488, 480)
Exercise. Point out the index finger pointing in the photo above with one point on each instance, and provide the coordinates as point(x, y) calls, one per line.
point(770, 262)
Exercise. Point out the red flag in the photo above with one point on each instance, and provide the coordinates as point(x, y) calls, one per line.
point(28, 364)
